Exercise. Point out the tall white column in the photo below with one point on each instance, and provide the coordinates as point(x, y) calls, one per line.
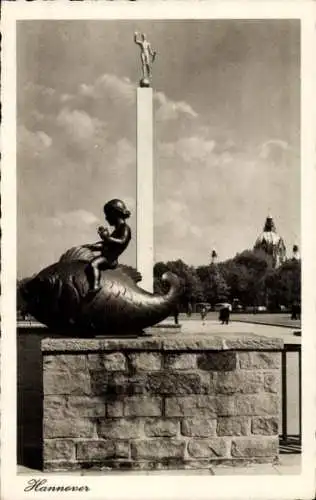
point(145, 187)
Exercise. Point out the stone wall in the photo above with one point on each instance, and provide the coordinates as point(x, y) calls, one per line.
point(164, 402)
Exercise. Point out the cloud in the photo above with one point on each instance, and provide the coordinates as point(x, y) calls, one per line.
point(171, 110)
point(175, 227)
point(44, 100)
point(122, 92)
point(78, 125)
point(33, 143)
point(66, 97)
point(74, 218)
point(189, 149)
point(124, 154)
point(275, 151)
point(111, 87)
point(91, 118)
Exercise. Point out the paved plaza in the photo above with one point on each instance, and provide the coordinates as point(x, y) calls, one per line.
point(249, 325)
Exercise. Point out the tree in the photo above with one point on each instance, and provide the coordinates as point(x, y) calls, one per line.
point(245, 275)
point(284, 284)
point(21, 305)
point(192, 288)
point(215, 288)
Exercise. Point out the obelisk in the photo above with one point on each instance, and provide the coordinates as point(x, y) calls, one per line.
point(145, 167)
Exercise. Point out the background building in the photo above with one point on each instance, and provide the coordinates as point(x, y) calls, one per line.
point(271, 243)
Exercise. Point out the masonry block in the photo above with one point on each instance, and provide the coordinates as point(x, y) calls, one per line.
point(72, 407)
point(199, 427)
point(158, 448)
point(257, 404)
point(115, 408)
point(265, 425)
point(181, 362)
point(120, 428)
point(114, 362)
point(146, 361)
point(59, 449)
point(217, 361)
point(68, 428)
point(102, 449)
point(246, 382)
point(200, 405)
point(66, 382)
point(69, 363)
point(233, 426)
point(208, 448)
point(177, 383)
point(117, 384)
point(264, 446)
point(272, 381)
point(259, 360)
point(142, 406)
point(162, 427)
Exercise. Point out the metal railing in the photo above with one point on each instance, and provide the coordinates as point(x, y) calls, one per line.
point(293, 441)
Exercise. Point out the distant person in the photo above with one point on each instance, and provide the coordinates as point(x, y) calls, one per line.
point(203, 313)
point(176, 315)
point(189, 310)
point(224, 314)
point(296, 311)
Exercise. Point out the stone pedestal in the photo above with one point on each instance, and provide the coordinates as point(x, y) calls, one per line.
point(145, 188)
point(160, 403)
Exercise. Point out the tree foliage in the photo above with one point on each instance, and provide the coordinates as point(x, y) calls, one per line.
point(215, 287)
point(284, 284)
point(249, 278)
point(245, 275)
point(192, 290)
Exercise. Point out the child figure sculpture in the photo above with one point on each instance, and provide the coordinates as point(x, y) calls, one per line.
point(111, 245)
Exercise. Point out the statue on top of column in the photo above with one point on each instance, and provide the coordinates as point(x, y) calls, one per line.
point(148, 55)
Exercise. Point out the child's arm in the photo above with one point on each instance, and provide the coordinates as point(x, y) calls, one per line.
point(122, 240)
point(94, 246)
point(103, 233)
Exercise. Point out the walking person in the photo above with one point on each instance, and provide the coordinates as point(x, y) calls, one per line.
point(189, 310)
point(203, 313)
point(176, 315)
point(224, 314)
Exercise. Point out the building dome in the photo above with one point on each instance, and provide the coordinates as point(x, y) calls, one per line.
point(296, 252)
point(271, 243)
point(213, 256)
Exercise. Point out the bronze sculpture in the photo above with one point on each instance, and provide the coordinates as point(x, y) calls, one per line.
point(63, 296)
point(147, 55)
point(110, 246)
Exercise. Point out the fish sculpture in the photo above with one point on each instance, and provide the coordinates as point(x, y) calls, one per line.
point(60, 296)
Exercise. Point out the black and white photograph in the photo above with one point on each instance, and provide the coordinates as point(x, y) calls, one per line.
point(157, 276)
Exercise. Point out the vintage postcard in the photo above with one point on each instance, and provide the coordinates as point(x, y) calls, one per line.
point(158, 299)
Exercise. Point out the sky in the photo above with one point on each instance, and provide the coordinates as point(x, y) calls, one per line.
point(226, 134)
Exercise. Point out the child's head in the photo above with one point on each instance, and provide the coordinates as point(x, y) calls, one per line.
point(116, 209)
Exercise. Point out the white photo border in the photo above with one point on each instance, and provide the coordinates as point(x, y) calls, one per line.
point(112, 487)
